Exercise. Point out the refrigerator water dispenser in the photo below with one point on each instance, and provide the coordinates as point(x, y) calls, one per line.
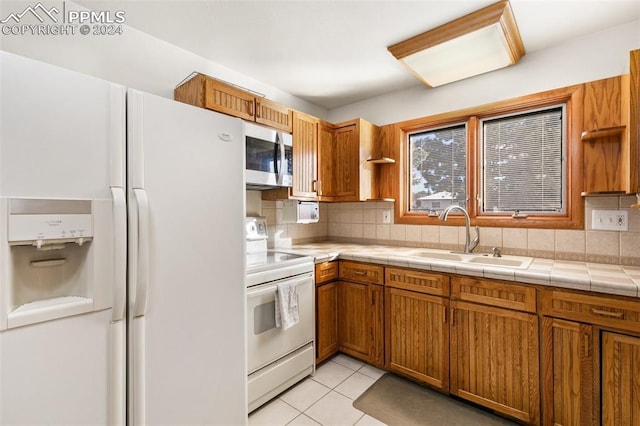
point(49, 259)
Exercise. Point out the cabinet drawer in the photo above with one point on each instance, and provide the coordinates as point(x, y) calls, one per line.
point(422, 282)
point(495, 293)
point(598, 310)
point(361, 272)
point(326, 271)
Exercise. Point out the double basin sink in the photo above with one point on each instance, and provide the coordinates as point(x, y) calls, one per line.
point(516, 262)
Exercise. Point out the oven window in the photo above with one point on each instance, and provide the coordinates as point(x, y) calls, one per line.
point(260, 155)
point(264, 317)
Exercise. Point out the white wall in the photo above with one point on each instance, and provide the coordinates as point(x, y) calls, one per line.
point(133, 59)
point(593, 57)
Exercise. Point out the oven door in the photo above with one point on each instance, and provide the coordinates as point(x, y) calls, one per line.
point(265, 342)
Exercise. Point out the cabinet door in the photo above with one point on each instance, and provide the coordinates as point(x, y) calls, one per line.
point(326, 320)
point(326, 160)
point(230, 100)
point(346, 177)
point(274, 115)
point(417, 343)
point(620, 379)
point(353, 319)
point(305, 146)
point(376, 331)
point(494, 359)
point(567, 363)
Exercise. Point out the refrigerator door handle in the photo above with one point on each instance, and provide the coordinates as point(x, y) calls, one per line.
point(142, 284)
point(119, 253)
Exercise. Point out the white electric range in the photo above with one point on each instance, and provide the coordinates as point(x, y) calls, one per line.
point(277, 359)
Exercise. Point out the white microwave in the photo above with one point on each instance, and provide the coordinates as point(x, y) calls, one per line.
point(269, 157)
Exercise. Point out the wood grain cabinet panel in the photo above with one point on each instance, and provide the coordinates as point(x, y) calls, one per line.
point(417, 336)
point(494, 359)
point(495, 293)
point(354, 318)
point(206, 92)
point(361, 272)
point(419, 281)
point(326, 320)
point(623, 314)
point(305, 147)
point(361, 311)
point(273, 114)
point(326, 161)
point(361, 321)
point(326, 271)
point(620, 379)
point(568, 373)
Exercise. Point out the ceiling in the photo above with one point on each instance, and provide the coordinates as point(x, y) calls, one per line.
point(333, 53)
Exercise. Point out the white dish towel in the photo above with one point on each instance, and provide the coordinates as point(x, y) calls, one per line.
point(287, 314)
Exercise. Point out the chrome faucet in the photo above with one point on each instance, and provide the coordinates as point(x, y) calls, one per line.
point(469, 245)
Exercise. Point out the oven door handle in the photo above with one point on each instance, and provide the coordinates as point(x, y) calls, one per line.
point(259, 290)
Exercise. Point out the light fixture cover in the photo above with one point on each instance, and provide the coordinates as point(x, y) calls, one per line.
point(483, 41)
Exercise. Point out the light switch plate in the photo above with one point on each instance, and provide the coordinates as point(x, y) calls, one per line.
point(610, 220)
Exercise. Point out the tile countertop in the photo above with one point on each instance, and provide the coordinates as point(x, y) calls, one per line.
point(596, 277)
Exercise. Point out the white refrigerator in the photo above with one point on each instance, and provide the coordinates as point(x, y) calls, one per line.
point(187, 362)
point(118, 303)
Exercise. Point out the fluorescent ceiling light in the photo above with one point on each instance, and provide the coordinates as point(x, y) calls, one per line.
point(480, 42)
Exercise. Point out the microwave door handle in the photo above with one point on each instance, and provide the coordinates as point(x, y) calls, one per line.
point(281, 169)
point(276, 155)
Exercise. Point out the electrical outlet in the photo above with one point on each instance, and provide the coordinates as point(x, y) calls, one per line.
point(610, 220)
point(386, 216)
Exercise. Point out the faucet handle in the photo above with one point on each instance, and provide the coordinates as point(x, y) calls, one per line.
point(496, 252)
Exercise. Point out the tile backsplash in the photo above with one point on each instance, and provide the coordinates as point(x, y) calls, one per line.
point(364, 223)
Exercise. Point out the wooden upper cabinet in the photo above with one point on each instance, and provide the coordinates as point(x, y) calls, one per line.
point(273, 114)
point(305, 148)
point(345, 172)
point(345, 165)
point(326, 160)
point(611, 123)
point(631, 150)
point(207, 92)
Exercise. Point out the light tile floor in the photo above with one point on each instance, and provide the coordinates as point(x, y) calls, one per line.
point(325, 398)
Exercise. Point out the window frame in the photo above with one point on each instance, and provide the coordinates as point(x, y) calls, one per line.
point(573, 218)
point(482, 163)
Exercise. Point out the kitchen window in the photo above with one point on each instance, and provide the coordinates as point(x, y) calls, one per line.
point(438, 176)
point(515, 163)
point(522, 163)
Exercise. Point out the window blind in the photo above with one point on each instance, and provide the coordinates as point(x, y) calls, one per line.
point(523, 163)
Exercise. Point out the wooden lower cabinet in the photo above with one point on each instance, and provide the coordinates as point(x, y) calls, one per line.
point(327, 320)
point(360, 321)
point(327, 342)
point(494, 359)
point(567, 358)
point(620, 381)
point(417, 336)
